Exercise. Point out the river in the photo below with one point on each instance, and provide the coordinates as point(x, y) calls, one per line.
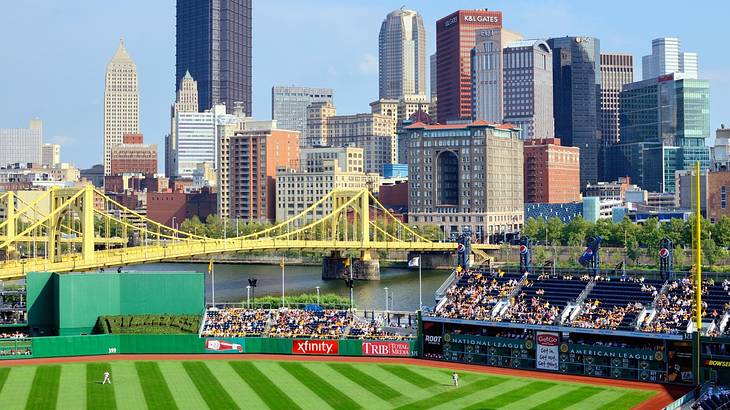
point(231, 281)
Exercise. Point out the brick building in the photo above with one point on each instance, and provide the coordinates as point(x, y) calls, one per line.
point(254, 156)
point(133, 156)
point(552, 172)
point(162, 207)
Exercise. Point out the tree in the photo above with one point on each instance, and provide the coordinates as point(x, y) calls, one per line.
point(539, 255)
point(721, 231)
point(574, 232)
point(193, 225)
point(554, 230)
point(534, 229)
point(674, 230)
point(602, 228)
point(711, 252)
point(650, 233)
point(214, 226)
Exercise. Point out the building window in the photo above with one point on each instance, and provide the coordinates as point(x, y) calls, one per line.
point(723, 197)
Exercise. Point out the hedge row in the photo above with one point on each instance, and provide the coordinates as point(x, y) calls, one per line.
point(148, 324)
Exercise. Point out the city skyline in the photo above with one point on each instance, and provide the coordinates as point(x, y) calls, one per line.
point(73, 85)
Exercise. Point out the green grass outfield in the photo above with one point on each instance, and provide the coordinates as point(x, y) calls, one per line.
point(223, 384)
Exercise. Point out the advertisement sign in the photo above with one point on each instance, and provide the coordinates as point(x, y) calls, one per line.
point(499, 342)
point(222, 346)
point(547, 351)
point(300, 346)
point(386, 349)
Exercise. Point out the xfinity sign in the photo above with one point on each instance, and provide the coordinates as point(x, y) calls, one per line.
point(481, 19)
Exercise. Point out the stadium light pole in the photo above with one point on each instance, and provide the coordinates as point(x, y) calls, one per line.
point(386, 298)
point(317, 287)
point(282, 282)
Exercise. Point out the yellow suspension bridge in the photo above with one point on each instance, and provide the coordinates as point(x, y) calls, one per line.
point(82, 229)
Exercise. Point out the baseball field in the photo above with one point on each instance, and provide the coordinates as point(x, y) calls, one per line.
point(286, 384)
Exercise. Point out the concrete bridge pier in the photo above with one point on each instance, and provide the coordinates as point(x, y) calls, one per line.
point(363, 268)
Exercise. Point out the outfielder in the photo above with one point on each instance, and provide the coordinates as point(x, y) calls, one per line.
point(106, 378)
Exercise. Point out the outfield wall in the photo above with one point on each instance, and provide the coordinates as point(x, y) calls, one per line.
point(61, 346)
point(70, 304)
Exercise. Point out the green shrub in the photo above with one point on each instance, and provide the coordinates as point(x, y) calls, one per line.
point(149, 324)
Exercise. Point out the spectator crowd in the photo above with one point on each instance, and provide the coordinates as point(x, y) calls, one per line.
point(290, 323)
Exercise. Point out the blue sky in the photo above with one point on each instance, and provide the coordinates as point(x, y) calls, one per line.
point(53, 54)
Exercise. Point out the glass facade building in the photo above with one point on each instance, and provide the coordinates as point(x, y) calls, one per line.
point(576, 99)
point(664, 120)
point(289, 105)
point(213, 42)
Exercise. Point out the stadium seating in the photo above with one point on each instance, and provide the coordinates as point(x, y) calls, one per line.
point(615, 304)
point(314, 322)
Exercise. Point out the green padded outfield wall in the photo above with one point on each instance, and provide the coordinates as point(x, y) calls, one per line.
point(78, 299)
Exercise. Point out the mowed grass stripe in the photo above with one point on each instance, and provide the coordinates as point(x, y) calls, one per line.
point(627, 400)
point(127, 388)
point(72, 387)
point(409, 375)
point(209, 387)
point(241, 393)
point(4, 371)
point(156, 392)
point(454, 394)
point(597, 400)
point(327, 392)
point(512, 396)
point(543, 396)
point(99, 396)
point(570, 397)
point(481, 395)
point(44, 393)
point(269, 392)
point(16, 388)
point(181, 387)
point(368, 382)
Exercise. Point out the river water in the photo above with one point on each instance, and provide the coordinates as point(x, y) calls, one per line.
point(231, 281)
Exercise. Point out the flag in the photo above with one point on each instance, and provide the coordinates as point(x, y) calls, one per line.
point(347, 262)
point(210, 266)
point(281, 264)
point(414, 262)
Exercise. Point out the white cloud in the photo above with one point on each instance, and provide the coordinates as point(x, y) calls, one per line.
point(369, 64)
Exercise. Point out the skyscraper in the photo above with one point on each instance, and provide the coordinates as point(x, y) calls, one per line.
point(666, 58)
point(455, 38)
point(186, 101)
point(664, 125)
point(214, 44)
point(434, 85)
point(487, 82)
point(402, 54)
point(289, 105)
point(617, 70)
point(528, 88)
point(121, 102)
point(576, 91)
point(21, 145)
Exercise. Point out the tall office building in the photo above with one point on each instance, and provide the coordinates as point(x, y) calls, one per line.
point(576, 96)
point(186, 100)
point(320, 170)
point(318, 115)
point(487, 74)
point(466, 177)
point(213, 42)
point(289, 105)
point(196, 140)
point(121, 102)
point(402, 55)
point(617, 70)
point(21, 145)
point(666, 58)
point(434, 85)
point(665, 123)
point(552, 172)
point(455, 38)
point(374, 133)
point(51, 154)
point(528, 88)
point(133, 156)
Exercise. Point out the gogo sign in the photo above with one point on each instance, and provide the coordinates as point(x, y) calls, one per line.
point(386, 349)
point(314, 347)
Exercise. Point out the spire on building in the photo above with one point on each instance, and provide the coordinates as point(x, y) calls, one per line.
point(121, 55)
